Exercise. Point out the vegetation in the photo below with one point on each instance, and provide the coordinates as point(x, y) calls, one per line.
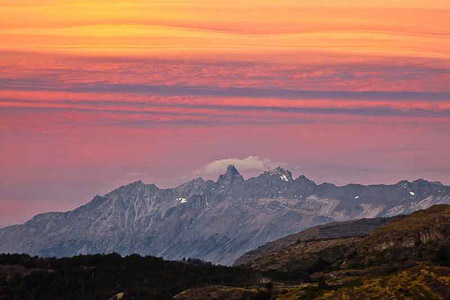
point(101, 276)
point(420, 282)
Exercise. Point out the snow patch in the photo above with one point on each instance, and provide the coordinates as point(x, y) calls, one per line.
point(284, 178)
point(182, 200)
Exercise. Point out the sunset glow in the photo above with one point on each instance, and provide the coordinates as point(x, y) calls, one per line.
point(94, 94)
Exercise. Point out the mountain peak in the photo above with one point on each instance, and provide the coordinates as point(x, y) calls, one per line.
point(424, 181)
point(403, 183)
point(231, 175)
point(137, 183)
point(304, 179)
point(279, 171)
point(284, 174)
point(232, 169)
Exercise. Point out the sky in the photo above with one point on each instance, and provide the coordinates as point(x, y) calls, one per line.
point(97, 94)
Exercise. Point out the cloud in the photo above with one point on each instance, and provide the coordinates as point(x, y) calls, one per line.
point(147, 114)
point(249, 166)
point(47, 84)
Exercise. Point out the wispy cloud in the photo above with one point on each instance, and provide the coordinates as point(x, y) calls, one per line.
point(34, 84)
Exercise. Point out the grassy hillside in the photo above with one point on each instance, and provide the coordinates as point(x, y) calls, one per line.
point(424, 281)
point(334, 230)
point(421, 236)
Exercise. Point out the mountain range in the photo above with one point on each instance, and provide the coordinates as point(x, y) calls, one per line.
point(215, 221)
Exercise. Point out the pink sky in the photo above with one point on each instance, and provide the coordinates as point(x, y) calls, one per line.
point(95, 95)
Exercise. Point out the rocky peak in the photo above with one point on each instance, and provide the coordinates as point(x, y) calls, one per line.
point(425, 183)
point(231, 176)
point(129, 188)
point(136, 184)
point(305, 180)
point(198, 179)
point(194, 182)
point(231, 169)
point(403, 183)
point(284, 174)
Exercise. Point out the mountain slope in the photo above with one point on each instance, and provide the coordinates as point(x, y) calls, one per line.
point(334, 230)
point(416, 237)
point(420, 236)
point(216, 221)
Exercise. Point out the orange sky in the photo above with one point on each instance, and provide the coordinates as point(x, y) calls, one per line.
point(94, 94)
point(238, 28)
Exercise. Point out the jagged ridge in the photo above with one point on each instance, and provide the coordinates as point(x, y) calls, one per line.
point(216, 221)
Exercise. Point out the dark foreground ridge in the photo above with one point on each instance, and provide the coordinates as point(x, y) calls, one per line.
point(103, 276)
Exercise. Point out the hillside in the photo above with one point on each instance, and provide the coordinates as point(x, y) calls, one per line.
point(421, 282)
point(215, 221)
point(419, 236)
point(415, 237)
point(334, 230)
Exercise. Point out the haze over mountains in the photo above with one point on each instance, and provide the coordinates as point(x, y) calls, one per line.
point(217, 221)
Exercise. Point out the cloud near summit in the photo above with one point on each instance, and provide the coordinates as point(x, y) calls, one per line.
point(248, 166)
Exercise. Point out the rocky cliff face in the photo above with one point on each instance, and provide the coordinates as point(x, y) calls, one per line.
point(216, 221)
point(322, 234)
point(418, 237)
